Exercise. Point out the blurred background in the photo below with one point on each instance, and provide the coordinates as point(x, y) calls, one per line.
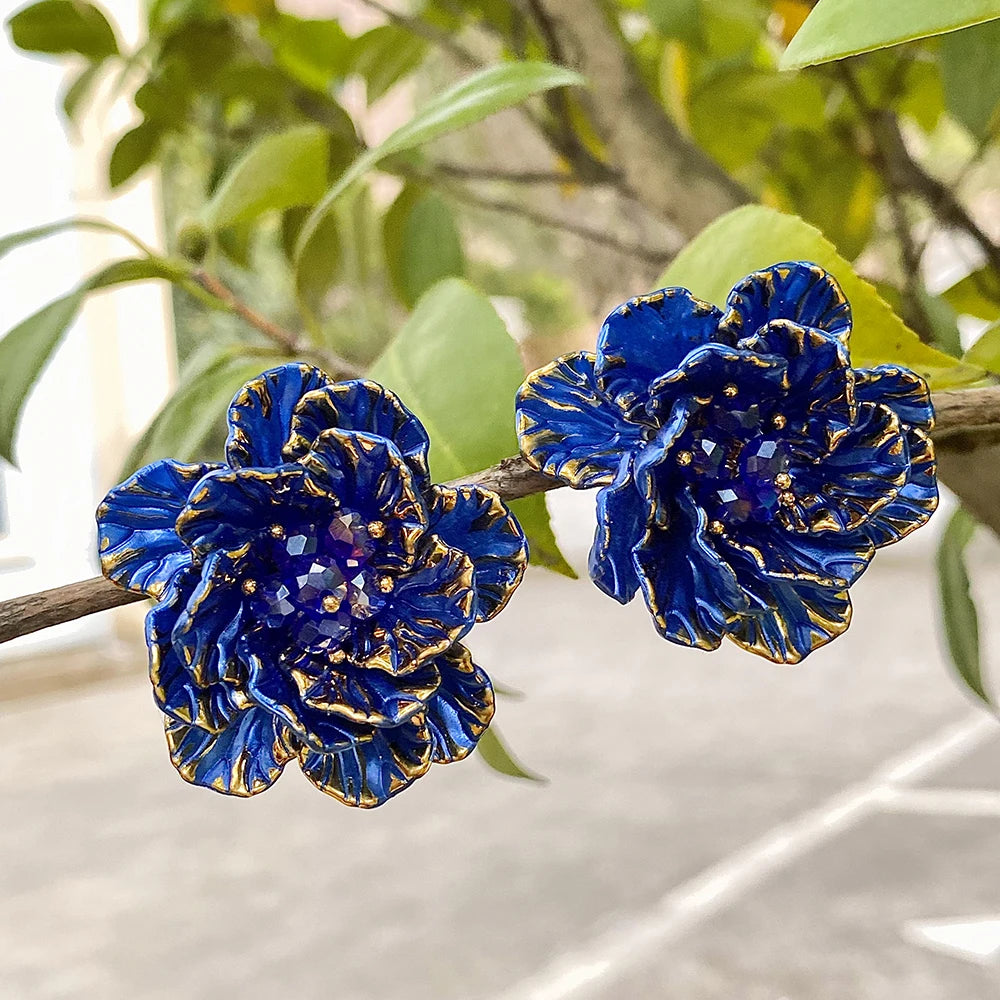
point(706, 828)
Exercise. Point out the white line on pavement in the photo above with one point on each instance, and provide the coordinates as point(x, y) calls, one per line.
point(605, 958)
point(969, 802)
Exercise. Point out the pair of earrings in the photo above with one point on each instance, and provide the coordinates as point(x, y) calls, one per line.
point(314, 591)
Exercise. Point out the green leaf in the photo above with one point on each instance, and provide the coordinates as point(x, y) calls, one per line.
point(422, 243)
point(970, 71)
point(958, 610)
point(279, 171)
point(470, 100)
point(15, 240)
point(384, 56)
point(314, 52)
point(985, 352)
point(134, 150)
point(495, 754)
point(26, 349)
point(533, 516)
point(680, 19)
point(62, 26)
point(185, 423)
point(454, 364)
point(755, 237)
point(79, 89)
point(977, 294)
point(318, 268)
point(839, 28)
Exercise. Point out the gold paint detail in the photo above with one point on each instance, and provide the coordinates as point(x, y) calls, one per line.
point(787, 499)
point(386, 584)
point(277, 531)
point(779, 421)
point(684, 458)
point(716, 527)
point(376, 529)
point(730, 390)
point(249, 586)
point(782, 480)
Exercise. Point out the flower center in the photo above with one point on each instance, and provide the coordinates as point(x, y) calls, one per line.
point(316, 581)
point(737, 467)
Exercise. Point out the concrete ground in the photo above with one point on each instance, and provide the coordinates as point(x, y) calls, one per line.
point(714, 828)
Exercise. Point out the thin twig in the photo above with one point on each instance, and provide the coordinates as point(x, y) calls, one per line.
point(289, 343)
point(658, 258)
point(470, 172)
point(964, 418)
point(466, 57)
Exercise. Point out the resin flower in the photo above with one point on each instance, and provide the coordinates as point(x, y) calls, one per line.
point(748, 471)
point(312, 591)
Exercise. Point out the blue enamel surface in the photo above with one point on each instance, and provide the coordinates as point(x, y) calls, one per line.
point(763, 470)
point(312, 592)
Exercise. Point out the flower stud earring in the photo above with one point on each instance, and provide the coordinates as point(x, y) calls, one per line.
point(747, 472)
point(312, 591)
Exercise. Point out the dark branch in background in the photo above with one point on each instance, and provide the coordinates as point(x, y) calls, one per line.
point(903, 173)
point(289, 343)
point(473, 172)
point(463, 56)
point(966, 420)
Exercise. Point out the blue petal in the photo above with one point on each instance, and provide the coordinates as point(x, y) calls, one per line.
point(370, 773)
point(229, 508)
point(477, 522)
point(363, 406)
point(269, 684)
point(797, 290)
point(568, 428)
point(905, 391)
point(832, 558)
point(367, 474)
point(916, 501)
point(260, 418)
point(621, 525)
point(654, 465)
point(139, 546)
point(368, 697)
point(243, 759)
point(788, 617)
point(176, 691)
point(431, 606)
point(820, 405)
point(864, 472)
point(462, 708)
point(690, 591)
point(649, 336)
point(707, 370)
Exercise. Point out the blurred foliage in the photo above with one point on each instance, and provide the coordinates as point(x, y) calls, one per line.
point(292, 231)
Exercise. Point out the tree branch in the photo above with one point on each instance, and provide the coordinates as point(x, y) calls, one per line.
point(285, 339)
point(966, 419)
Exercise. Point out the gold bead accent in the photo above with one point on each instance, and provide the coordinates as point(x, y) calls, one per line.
point(716, 527)
point(331, 603)
point(385, 584)
point(249, 586)
point(684, 458)
point(376, 529)
point(730, 390)
point(779, 421)
point(337, 656)
point(277, 531)
point(786, 498)
point(782, 480)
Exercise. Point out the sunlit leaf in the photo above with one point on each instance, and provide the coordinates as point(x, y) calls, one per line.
point(278, 172)
point(977, 294)
point(470, 100)
point(958, 610)
point(985, 352)
point(454, 364)
point(839, 28)
point(755, 237)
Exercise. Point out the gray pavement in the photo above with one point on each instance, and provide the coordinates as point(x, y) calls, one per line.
point(714, 828)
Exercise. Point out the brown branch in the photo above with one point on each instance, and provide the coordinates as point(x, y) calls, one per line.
point(966, 419)
point(285, 339)
point(471, 172)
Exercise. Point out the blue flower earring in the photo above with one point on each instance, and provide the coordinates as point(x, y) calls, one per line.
point(747, 471)
point(311, 593)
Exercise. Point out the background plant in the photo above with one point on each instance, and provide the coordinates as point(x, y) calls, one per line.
point(564, 155)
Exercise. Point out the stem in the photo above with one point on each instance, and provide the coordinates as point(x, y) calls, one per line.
point(964, 417)
point(285, 339)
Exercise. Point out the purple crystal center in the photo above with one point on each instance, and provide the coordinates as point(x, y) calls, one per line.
point(316, 581)
point(734, 463)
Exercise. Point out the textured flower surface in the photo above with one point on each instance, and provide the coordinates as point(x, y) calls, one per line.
point(312, 591)
point(747, 471)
